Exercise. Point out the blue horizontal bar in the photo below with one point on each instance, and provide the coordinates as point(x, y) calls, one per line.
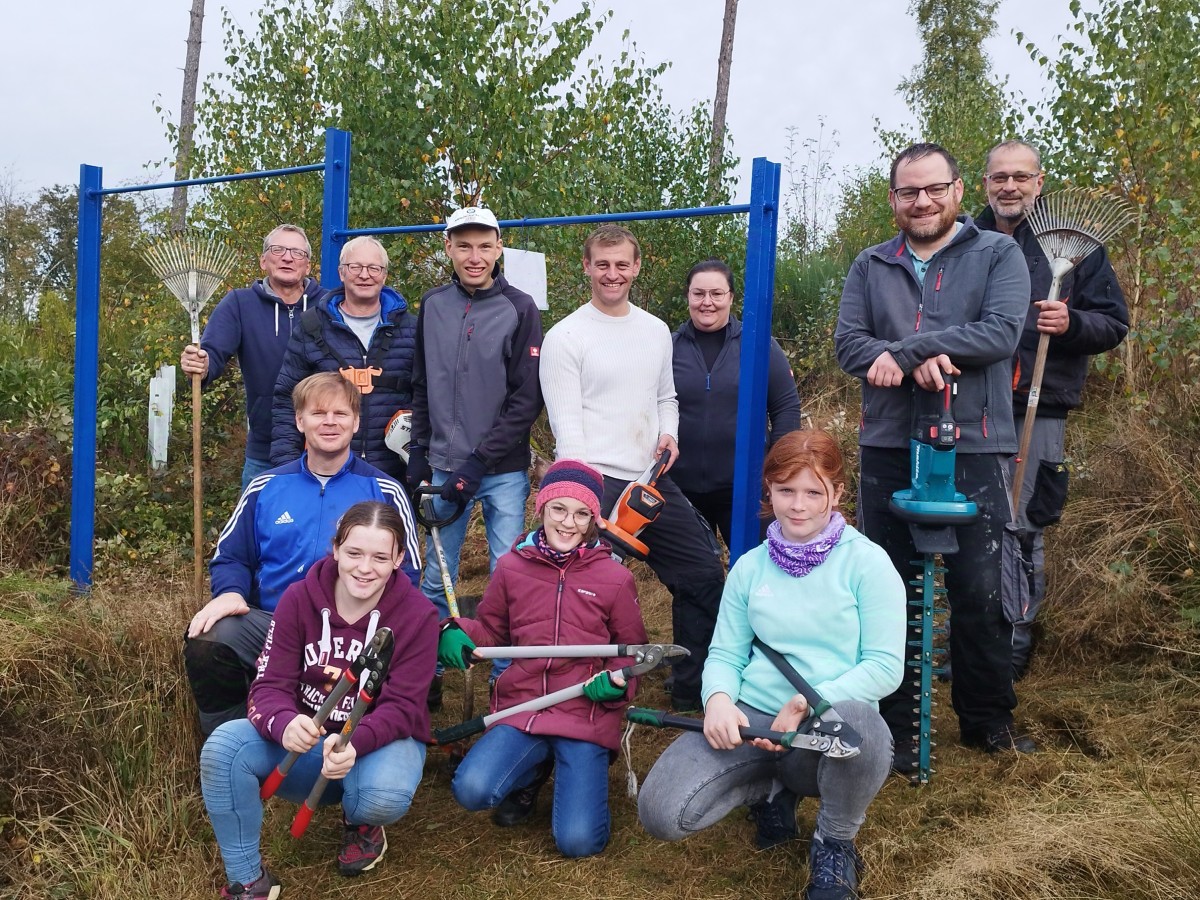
point(570, 220)
point(216, 179)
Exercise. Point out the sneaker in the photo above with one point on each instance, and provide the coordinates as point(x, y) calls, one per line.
point(834, 868)
point(264, 888)
point(362, 847)
point(1000, 739)
point(519, 804)
point(433, 700)
point(776, 820)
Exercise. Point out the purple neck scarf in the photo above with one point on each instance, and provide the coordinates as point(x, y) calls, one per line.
point(800, 559)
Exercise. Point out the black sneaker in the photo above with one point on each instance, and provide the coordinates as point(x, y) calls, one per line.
point(363, 847)
point(776, 820)
point(1000, 739)
point(264, 888)
point(519, 804)
point(433, 700)
point(834, 868)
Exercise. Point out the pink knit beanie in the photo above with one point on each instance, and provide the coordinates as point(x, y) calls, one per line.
point(574, 479)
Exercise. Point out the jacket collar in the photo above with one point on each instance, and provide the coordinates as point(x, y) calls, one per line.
point(390, 302)
point(688, 328)
point(893, 251)
point(338, 474)
point(496, 287)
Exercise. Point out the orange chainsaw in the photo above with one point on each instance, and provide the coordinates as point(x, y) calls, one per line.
point(639, 505)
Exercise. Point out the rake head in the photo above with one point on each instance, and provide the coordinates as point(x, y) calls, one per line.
point(192, 270)
point(1072, 223)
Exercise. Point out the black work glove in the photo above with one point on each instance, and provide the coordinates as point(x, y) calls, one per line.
point(461, 486)
point(419, 470)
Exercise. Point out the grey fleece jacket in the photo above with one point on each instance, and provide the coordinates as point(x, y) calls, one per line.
point(971, 308)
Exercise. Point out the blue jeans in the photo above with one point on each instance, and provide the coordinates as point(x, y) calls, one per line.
point(503, 498)
point(236, 759)
point(504, 760)
point(253, 468)
point(692, 786)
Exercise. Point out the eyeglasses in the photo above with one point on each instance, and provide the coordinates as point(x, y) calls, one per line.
point(716, 295)
point(356, 268)
point(1000, 178)
point(280, 250)
point(559, 513)
point(932, 191)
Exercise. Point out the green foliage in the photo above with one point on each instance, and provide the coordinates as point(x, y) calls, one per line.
point(807, 293)
point(1124, 118)
point(450, 104)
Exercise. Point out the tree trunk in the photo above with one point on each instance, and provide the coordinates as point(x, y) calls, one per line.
point(721, 102)
point(187, 115)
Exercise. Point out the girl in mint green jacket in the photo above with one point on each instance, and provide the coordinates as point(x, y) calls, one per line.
point(831, 602)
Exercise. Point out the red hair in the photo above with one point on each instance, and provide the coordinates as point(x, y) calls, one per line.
point(796, 451)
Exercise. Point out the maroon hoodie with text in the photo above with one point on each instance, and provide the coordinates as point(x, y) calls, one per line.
point(309, 644)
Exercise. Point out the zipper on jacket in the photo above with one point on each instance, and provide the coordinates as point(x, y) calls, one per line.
point(562, 579)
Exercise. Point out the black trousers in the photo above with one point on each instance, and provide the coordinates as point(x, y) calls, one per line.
point(686, 558)
point(980, 636)
point(717, 509)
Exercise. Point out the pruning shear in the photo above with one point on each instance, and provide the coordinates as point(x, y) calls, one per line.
point(812, 735)
point(645, 658)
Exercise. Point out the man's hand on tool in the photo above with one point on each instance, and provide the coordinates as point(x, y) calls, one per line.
point(721, 722)
point(454, 647)
point(300, 735)
point(789, 719)
point(666, 442)
point(928, 374)
point(194, 361)
point(335, 763)
point(1053, 317)
point(216, 609)
point(605, 687)
point(885, 371)
point(419, 471)
point(461, 486)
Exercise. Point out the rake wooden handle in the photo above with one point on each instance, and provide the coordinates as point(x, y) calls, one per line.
point(197, 497)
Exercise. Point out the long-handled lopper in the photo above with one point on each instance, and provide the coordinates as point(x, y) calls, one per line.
point(371, 684)
point(375, 657)
point(799, 739)
point(645, 656)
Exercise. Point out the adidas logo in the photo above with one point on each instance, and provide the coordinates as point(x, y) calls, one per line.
point(764, 591)
point(285, 519)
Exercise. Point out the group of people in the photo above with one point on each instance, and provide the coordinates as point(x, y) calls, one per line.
point(321, 550)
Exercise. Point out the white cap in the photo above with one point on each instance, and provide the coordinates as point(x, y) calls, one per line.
point(472, 215)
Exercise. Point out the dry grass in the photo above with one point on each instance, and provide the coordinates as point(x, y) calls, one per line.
point(99, 795)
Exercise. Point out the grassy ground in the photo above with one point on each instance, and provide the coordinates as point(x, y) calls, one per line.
point(98, 778)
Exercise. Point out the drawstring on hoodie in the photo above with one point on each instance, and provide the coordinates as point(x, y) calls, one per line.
point(371, 626)
point(303, 309)
point(325, 645)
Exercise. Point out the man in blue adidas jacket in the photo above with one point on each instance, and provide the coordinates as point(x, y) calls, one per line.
point(283, 523)
point(254, 324)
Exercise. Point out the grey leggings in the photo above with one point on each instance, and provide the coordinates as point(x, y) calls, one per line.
point(692, 786)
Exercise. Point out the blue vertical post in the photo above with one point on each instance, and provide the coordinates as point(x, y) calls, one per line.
point(87, 371)
point(335, 214)
point(761, 242)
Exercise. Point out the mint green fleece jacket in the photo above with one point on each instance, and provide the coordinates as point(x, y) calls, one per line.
point(842, 626)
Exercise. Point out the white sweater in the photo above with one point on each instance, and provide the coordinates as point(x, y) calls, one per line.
point(609, 389)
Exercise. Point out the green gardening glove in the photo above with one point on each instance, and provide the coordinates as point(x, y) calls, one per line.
point(601, 689)
point(454, 646)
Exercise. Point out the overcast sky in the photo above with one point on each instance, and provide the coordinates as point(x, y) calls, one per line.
point(79, 78)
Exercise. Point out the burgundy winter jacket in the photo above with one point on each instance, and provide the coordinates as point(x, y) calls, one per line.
point(305, 654)
point(530, 601)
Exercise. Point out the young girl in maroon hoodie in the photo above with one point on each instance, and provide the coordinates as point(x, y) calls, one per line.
point(319, 628)
point(558, 585)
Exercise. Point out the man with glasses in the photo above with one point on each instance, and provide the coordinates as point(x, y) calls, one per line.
point(475, 395)
point(1090, 318)
point(942, 298)
point(364, 331)
point(254, 324)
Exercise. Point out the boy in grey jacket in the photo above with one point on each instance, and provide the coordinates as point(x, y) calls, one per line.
point(941, 298)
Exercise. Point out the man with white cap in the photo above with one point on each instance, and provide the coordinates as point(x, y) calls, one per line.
point(475, 394)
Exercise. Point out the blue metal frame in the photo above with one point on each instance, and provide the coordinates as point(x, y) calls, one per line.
point(763, 211)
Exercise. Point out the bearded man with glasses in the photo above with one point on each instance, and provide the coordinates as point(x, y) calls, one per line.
point(1090, 318)
point(942, 298)
point(364, 331)
point(254, 324)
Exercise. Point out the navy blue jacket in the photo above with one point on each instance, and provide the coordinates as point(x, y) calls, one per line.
point(254, 325)
point(1098, 322)
point(285, 521)
point(708, 404)
point(392, 390)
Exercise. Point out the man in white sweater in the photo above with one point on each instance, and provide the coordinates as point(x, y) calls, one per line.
point(607, 380)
